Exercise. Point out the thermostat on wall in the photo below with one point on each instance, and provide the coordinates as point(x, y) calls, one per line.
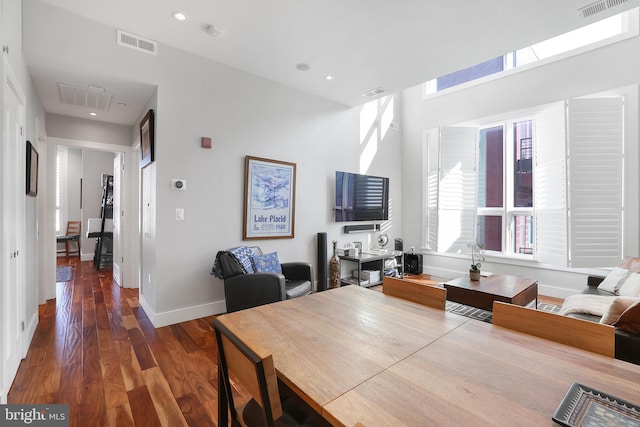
point(179, 184)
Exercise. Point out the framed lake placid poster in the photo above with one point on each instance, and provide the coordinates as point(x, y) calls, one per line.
point(269, 199)
point(146, 140)
point(32, 170)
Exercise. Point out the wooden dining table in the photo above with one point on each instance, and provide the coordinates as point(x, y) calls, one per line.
point(360, 357)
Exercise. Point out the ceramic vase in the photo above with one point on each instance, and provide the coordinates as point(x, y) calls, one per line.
point(474, 274)
point(334, 268)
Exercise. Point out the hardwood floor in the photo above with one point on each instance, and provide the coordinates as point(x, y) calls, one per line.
point(95, 349)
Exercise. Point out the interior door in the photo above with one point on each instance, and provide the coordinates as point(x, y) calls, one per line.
point(117, 219)
point(13, 207)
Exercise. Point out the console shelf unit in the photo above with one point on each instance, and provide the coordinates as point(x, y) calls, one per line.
point(370, 261)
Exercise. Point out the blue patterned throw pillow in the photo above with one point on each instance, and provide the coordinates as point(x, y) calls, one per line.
point(243, 254)
point(267, 263)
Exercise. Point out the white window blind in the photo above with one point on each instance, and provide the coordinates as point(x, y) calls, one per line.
point(595, 146)
point(550, 196)
point(457, 188)
point(430, 163)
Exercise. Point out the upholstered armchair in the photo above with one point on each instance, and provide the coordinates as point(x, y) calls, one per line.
point(252, 278)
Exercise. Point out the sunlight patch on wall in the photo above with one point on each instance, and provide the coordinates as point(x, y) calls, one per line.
point(369, 151)
point(387, 115)
point(368, 116)
point(376, 118)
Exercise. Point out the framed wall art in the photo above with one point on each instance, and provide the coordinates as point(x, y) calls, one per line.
point(32, 170)
point(269, 200)
point(147, 140)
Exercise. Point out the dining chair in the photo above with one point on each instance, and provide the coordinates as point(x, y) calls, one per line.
point(590, 336)
point(254, 368)
point(74, 229)
point(429, 295)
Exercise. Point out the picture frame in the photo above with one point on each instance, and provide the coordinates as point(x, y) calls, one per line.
point(269, 199)
point(32, 170)
point(147, 143)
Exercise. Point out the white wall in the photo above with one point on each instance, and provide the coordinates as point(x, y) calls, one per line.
point(11, 36)
point(88, 130)
point(244, 115)
point(595, 71)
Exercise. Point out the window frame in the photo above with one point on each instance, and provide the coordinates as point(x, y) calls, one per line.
point(508, 211)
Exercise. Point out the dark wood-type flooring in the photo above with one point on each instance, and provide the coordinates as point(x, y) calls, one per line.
point(95, 349)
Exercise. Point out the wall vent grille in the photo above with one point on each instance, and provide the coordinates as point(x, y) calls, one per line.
point(599, 7)
point(138, 43)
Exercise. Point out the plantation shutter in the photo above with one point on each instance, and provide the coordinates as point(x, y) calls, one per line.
point(457, 189)
point(430, 164)
point(595, 139)
point(550, 195)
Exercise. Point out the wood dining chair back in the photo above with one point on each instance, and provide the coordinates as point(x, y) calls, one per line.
point(429, 295)
point(579, 333)
point(71, 239)
point(253, 367)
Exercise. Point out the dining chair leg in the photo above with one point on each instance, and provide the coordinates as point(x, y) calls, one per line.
point(223, 403)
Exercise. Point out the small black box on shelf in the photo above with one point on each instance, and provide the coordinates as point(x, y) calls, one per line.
point(413, 263)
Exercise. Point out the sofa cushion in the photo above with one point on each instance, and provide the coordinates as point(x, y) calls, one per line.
point(629, 320)
point(631, 286)
point(596, 305)
point(614, 280)
point(617, 307)
point(267, 263)
point(631, 264)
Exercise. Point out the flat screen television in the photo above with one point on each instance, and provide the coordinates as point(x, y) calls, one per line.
point(361, 197)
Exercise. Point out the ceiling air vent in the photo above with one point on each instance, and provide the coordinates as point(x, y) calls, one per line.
point(135, 42)
point(92, 97)
point(373, 92)
point(599, 6)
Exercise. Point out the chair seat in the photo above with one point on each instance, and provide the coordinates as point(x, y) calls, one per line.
point(67, 238)
point(297, 288)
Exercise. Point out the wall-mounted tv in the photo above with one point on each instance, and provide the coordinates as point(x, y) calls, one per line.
point(361, 197)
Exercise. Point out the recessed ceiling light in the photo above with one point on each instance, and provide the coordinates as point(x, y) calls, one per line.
point(303, 67)
point(179, 16)
point(328, 77)
point(93, 114)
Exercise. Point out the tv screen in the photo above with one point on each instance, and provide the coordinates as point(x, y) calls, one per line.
point(361, 197)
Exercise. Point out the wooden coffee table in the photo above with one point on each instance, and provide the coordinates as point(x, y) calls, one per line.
point(482, 293)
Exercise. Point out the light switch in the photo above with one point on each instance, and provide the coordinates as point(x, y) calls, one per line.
point(179, 214)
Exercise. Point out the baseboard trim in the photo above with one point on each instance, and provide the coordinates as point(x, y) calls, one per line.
point(172, 317)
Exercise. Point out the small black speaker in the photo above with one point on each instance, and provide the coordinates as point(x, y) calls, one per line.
point(323, 263)
point(399, 245)
point(413, 263)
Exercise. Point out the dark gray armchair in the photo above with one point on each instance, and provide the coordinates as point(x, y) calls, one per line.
point(245, 290)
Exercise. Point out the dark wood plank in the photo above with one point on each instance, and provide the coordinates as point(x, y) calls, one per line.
point(194, 412)
point(142, 408)
point(96, 350)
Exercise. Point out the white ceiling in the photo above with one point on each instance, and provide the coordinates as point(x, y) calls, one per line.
point(364, 44)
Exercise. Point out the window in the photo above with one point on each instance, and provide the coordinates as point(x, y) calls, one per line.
point(549, 187)
point(608, 29)
point(504, 220)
